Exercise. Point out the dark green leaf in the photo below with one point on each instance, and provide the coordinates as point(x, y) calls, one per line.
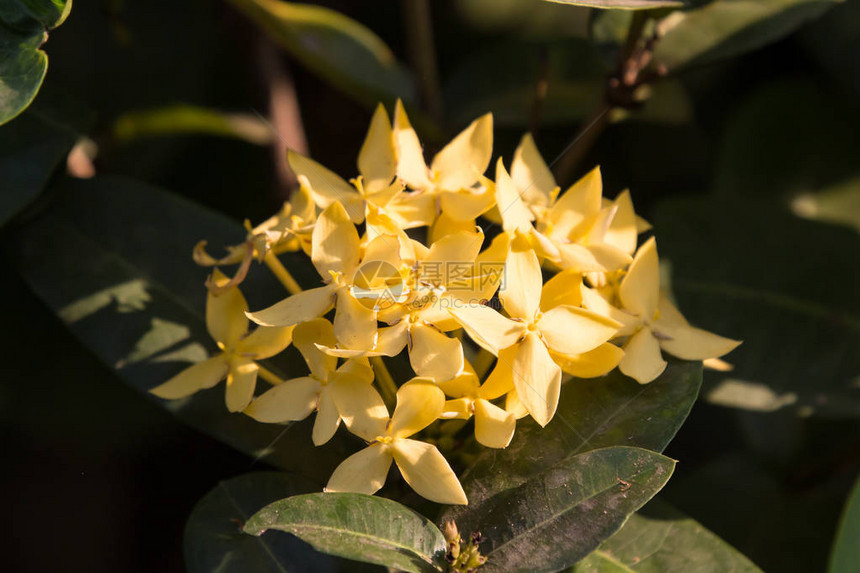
point(558, 516)
point(341, 50)
point(660, 539)
point(846, 550)
point(726, 28)
point(30, 149)
point(189, 119)
point(214, 541)
point(24, 26)
point(597, 413)
point(623, 4)
point(357, 526)
point(751, 271)
point(834, 42)
point(113, 259)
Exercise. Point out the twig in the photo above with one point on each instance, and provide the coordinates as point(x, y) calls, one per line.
point(422, 53)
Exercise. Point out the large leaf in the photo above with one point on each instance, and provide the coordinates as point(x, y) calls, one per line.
point(344, 52)
point(30, 149)
point(846, 551)
point(24, 26)
point(558, 516)
point(609, 411)
point(113, 259)
point(750, 270)
point(623, 4)
point(726, 28)
point(214, 540)
point(660, 539)
point(357, 526)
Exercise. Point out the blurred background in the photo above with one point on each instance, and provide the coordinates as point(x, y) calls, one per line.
point(742, 153)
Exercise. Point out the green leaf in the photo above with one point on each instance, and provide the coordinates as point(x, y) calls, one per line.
point(112, 258)
point(214, 540)
point(622, 4)
point(357, 526)
point(846, 551)
point(558, 516)
point(609, 411)
point(727, 28)
point(342, 51)
point(660, 539)
point(30, 150)
point(24, 26)
point(751, 271)
point(189, 119)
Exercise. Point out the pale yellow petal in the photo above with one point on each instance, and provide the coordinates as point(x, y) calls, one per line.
point(354, 323)
point(520, 292)
point(572, 330)
point(531, 174)
point(455, 248)
point(537, 378)
point(578, 258)
point(459, 409)
point(412, 209)
point(609, 257)
point(581, 201)
point(336, 244)
point(669, 313)
point(266, 341)
point(488, 328)
point(325, 186)
point(360, 406)
point(691, 343)
point(640, 287)
point(427, 472)
point(622, 232)
point(225, 312)
point(501, 378)
point(445, 225)
point(494, 427)
point(327, 420)
point(196, 377)
point(563, 288)
point(433, 354)
point(465, 383)
point(410, 156)
point(358, 368)
point(460, 163)
point(515, 406)
point(642, 359)
point(467, 204)
point(241, 381)
point(306, 305)
point(362, 472)
point(419, 403)
point(377, 162)
point(591, 364)
point(515, 215)
point(592, 300)
point(306, 336)
point(292, 400)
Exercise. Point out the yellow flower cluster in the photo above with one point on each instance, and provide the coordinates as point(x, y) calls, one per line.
point(600, 308)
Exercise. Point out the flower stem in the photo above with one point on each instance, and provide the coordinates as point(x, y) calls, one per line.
point(281, 273)
point(386, 382)
point(269, 376)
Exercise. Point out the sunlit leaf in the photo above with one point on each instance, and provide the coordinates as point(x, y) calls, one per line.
point(188, 119)
point(357, 526)
point(846, 551)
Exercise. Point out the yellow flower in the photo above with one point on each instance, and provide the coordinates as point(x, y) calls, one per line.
point(453, 179)
point(524, 342)
point(494, 426)
point(227, 324)
point(657, 324)
point(419, 403)
point(335, 393)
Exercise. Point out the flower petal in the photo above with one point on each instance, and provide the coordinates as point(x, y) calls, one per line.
point(306, 336)
point(642, 359)
point(515, 215)
point(293, 400)
point(196, 377)
point(581, 201)
point(691, 343)
point(572, 330)
point(410, 156)
point(622, 232)
point(225, 312)
point(494, 427)
point(488, 328)
point(460, 163)
point(537, 378)
point(328, 418)
point(427, 472)
point(531, 174)
point(459, 409)
point(362, 472)
point(354, 323)
point(515, 406)
point(301, 307)
point(266, 341)
point(456, 248)
point(640, 287)
point(419, 404)
point(377, 162)
point(336, 244)
point(521, 288)
point(325, 186)
point(463, 384)
point(433, 354)
point(501, 379)
point(359, 405)
point(467, 204)
point(241, 381)
point(591, 364)
point(563, 288)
